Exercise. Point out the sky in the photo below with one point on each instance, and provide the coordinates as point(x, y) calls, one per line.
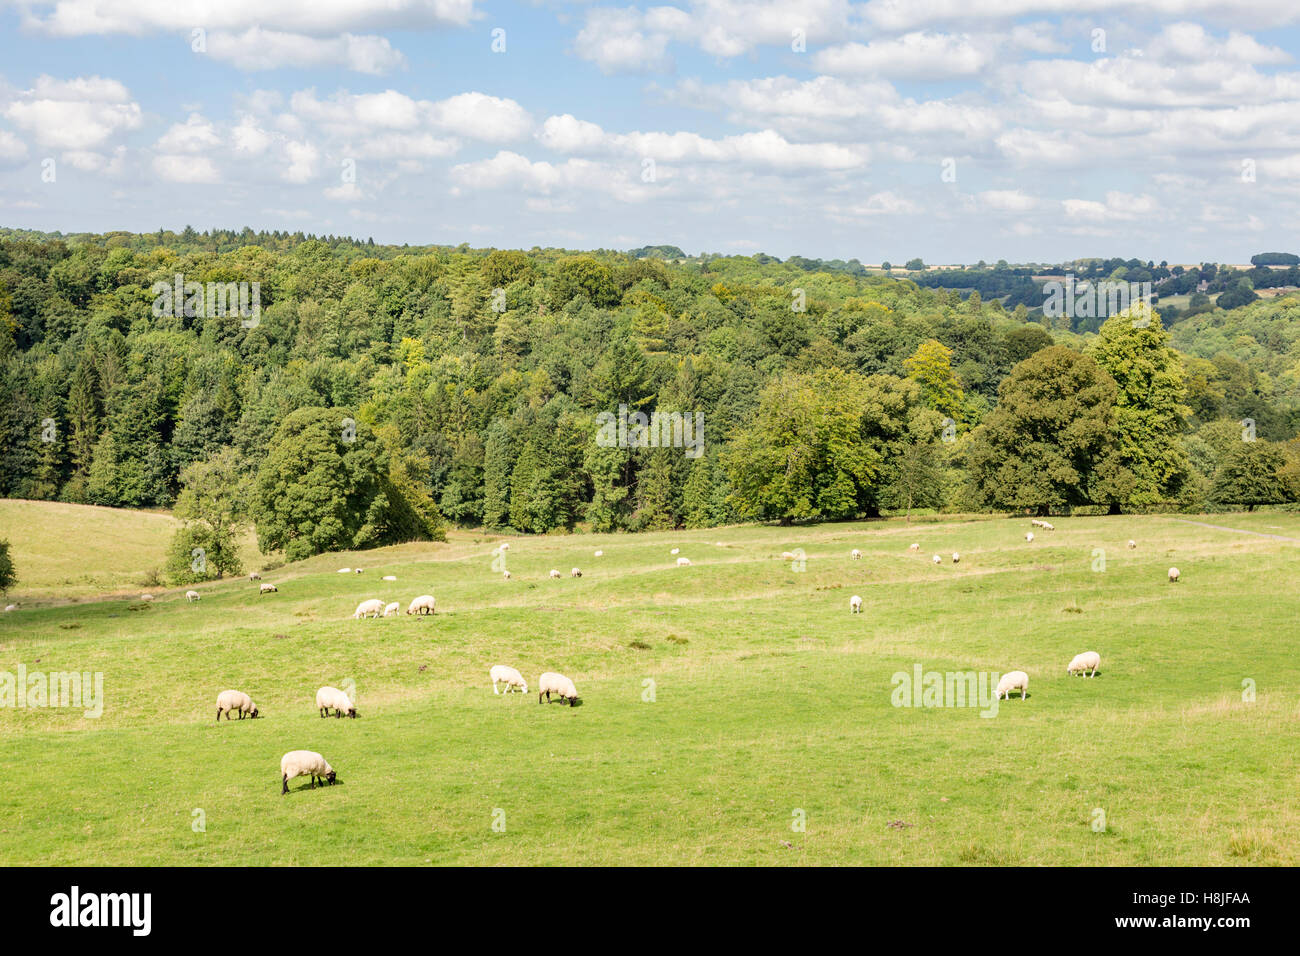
point(1026, 130)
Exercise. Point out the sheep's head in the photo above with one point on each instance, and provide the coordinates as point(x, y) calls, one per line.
point(253, 712)
point(330, 776)
point(352, 711)
point(525, 686)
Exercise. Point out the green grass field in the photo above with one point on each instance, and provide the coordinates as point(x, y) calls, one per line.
point(770, 702)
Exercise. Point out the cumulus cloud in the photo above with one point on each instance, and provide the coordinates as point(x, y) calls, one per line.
point(80, 113)
point(261, 49)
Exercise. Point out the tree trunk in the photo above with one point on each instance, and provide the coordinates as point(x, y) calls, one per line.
point(1114, 509)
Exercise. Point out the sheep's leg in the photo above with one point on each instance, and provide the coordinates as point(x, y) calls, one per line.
point(494, 688)
point(218, 715)
point(286, 785)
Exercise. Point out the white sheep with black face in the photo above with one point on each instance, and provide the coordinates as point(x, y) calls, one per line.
point(302, 763)
point(552, 683)
point(234, 700)
point(1173, 575)
point(331, 698)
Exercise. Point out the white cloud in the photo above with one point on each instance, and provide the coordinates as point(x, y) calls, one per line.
point(12, 149)
point(261, 49)
point(74, 114)
point(195, 135)
point(186, 169)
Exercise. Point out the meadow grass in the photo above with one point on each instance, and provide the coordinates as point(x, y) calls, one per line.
point(720, 703)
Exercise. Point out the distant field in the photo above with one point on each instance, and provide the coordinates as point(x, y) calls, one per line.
point(64, 551)
point(721, 703)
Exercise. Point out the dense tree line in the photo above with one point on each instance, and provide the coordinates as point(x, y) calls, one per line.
point(384, 391)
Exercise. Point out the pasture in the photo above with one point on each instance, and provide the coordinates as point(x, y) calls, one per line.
point(731, 712)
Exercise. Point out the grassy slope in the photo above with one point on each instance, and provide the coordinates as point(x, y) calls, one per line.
point(771, 698)
point(64, 551)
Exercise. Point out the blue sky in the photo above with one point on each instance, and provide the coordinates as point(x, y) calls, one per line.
point(1038, 130)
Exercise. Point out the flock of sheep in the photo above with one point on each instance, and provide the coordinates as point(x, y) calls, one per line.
point(1085, 663)
point(309, 763)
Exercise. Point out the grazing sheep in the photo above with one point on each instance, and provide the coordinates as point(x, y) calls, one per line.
point(599, 554)
point(787, 556)
point(506, 575)
point(855, 605)
point(424, 604)
point(372, 608)
point(937, 560)
point(358, 570)
point(192, 596)
point(504, 546)
point(11, 607)
point(1087, 661)
point(390, 577)
point(913, 547)
point(254, 576)
point(267, 589)
point(552, 683)
point(301, 763)
point(555, 575)
point(675, 551)
point(955, 557)
point(683, 562)
point(391, 609)
point(1047, 526)
point(331, 698)
point(344, 571)
point(1173, 575)
point(855, 554)
point(229, 700)
point(1016, 680)
point(146, 597)
point(508, 676)
point(1132, 544)
point(575, 573)
point(1029, 536)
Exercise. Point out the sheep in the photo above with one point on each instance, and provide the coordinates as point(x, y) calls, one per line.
point(913, 547)
point(683, 562)
point(254, 576)
point(855, 605)
point(504, 546)
point(192, 596)
point(1015, 680)
point(229, 700)
point(1173, 575)
point(390, 577)
point(372, 608)
point(506, 575)
point(424, 604)
point(1029, 536)
point(599, 554)
point(1132, 544)
point(146, 597)
point(555, 575)
point(331, 698)
point(855, 554)
point(508, 676)
point(343, 571)
point(937, 560)
point(11, 607)
point(575, 573)
point(267, 589)
point(392, 609)
point(358, 570)
point(1087, 661)
point(301, 763)
point(675, 551)
point(552, 683)
point(787, 556)
point(956, 557)
point(1047, 526)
